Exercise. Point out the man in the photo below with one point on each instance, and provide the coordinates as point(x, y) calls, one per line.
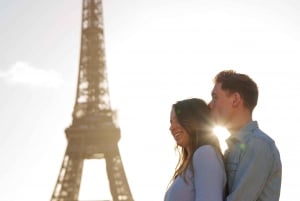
point(252, 159)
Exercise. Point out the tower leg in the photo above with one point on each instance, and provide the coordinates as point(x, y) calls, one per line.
point(117, 179)
point(68, 182)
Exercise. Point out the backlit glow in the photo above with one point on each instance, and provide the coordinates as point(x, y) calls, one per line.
point(222, 134)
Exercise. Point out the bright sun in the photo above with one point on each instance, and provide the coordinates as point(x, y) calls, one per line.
point(222, 134)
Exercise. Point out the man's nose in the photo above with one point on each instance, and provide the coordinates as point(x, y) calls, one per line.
point(210, 104)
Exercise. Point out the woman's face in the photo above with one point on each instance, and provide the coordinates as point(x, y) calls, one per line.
point(179, 133)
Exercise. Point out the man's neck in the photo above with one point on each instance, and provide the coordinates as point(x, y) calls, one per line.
point(237, 124)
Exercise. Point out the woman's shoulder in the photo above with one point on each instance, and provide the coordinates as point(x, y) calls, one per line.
point(212, 158)
point(205, 151)
point(205, 148)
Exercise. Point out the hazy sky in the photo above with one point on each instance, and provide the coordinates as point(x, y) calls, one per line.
point(158, 52)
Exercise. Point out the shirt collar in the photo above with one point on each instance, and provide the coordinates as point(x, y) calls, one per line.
point(242, 133)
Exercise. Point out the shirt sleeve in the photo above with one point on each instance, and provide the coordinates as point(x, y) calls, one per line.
point(252, 172)
point(209, 175)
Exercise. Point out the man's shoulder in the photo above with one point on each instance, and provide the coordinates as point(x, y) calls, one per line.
point(262, 140)
point(261, 136)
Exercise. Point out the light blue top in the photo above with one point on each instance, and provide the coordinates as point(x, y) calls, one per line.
point(253, 166)
point(208, 182)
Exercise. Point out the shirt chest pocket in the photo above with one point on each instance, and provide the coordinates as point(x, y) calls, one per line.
point(231, 169)
point(231, 161)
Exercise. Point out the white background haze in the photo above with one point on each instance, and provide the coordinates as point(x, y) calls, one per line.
point(157, 52)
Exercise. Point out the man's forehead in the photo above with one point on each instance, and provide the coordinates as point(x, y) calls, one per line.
point(217, 88)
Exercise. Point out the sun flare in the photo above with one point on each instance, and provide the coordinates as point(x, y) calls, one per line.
point(222, 133)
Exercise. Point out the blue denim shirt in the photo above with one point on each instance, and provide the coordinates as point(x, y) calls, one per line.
point(253, 166)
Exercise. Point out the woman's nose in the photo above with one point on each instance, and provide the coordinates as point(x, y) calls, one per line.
point(171, 128)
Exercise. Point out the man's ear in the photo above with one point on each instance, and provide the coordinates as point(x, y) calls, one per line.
point(236, 99)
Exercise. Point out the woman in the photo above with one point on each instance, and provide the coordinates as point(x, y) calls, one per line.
point(199, 174)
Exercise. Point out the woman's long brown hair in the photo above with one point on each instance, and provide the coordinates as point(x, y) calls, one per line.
point(194, 116)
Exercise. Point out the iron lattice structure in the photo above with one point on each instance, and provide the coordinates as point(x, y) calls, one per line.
point(93, 133)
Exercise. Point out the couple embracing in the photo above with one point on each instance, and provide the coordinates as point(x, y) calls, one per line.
point(249, 170)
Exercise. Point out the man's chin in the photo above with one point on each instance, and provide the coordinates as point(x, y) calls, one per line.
point(220, 123)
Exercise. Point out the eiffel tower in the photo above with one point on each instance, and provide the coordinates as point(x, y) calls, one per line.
point(93, 133)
